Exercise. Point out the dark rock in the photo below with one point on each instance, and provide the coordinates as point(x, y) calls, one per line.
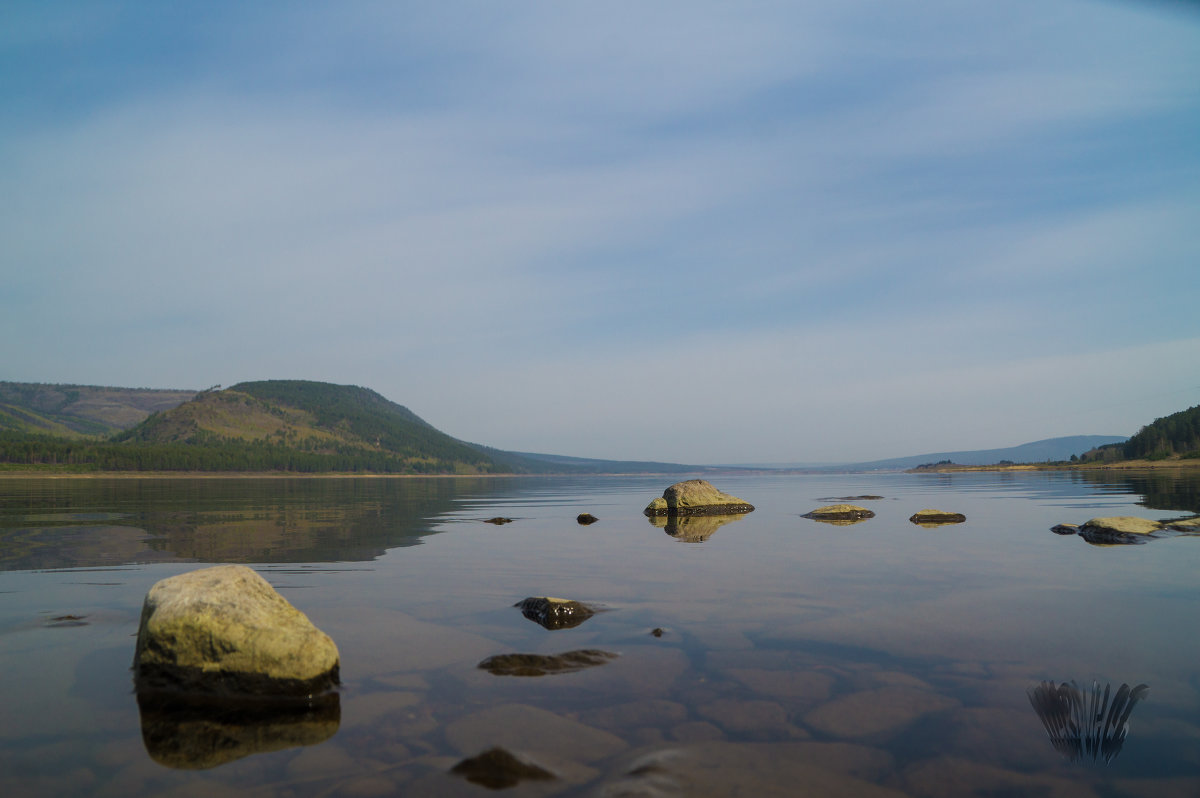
point(555, 613)
point(696, 497)
point(936, 518)
point(1065, 529)
point(498, 520)
point(545, 664)
point(657, 631)
point(865, 498)
point(586, 518)
point(497, 769)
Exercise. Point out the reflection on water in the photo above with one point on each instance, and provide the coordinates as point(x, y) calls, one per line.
point(188, 734)
point(1085, 726)
point(693, 528)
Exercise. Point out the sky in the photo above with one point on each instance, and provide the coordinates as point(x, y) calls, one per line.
point(692, 231)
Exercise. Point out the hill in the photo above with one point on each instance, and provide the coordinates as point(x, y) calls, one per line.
point(1171, 437)
point(80, 410)
point(1048, 450)
point(309, 426)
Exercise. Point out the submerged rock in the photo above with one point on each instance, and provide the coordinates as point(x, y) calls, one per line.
point(696, 497)
point(498, 520)
point(225, 631)
point(498, 769)
point(840, 512)
point(586, 518)
point(544, 664)
point(555, 613)
point(929, 517)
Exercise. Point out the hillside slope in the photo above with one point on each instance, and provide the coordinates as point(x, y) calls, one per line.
point(292, 418)
point(1050, 449)
point(74, 410)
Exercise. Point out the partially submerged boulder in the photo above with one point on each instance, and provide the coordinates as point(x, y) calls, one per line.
point(1119, 530)
point(555, 613)
point(696, 497)
point(928, 517)
point(225, 631)
point(840, 512)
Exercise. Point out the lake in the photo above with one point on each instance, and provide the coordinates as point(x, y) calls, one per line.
point(767, 655)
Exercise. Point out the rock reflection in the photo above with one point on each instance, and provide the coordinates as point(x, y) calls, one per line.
point(693, 528)
point(192, 734)
point(1085, 726)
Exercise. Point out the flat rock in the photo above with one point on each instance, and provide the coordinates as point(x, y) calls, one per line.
point(873, 712)
point(696, 497)
point(840, 512)
point(225, 631)
point(1119, 530)
point(554, 613)
point(545, 664)
point(1191, 525)
point(1065, 529)
point(929, 517)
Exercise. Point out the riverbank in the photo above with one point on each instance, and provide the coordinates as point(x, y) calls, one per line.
point(1123, 465)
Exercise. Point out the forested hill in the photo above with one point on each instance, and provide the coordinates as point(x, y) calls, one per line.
point(308, 426)
point(1173, 436)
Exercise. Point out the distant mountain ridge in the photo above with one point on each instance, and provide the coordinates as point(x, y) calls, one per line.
point(1047, 450)
point(71, 410)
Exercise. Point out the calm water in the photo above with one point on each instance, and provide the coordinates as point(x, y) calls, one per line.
point(791, 656)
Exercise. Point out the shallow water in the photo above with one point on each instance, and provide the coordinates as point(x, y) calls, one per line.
point(771, 651)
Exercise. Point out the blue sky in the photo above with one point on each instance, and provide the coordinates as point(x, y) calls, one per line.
point(700, 232)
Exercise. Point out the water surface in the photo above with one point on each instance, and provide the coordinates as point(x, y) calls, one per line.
point(879, 658)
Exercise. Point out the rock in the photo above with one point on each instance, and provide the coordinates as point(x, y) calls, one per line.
point(498, 520)
point(696, 497)
point(840, 512)
point(929, 517)
point(555, 613)
point(586, 518)
point(225, 631)
point(544, 664)
point(1065, 529)
point(864, 498)
point(497, 769)
point(1119, 530)
point(1191, 525)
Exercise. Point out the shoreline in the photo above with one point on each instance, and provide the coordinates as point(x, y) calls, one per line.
point(1123, 465)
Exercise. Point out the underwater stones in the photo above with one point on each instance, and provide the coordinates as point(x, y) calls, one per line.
point(545, 664)
point(840, 512)
point(498, 769)
point(928, 517)
point(225, 631)
point(696, 497)
point(876, 712)
point(584, 519)
point(554, 613)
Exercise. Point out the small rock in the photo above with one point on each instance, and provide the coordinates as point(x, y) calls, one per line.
point(498, 520)
point(498, 769)
point(224, 630)
point(544, 664)
point(586, 518)
point(696, 497)
point(840, 512)
point(929, 517)
point(1185, 525)
point(1065, 529)
point(555, 613)
point(657, 631)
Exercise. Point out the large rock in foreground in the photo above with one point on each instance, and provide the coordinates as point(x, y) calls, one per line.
point(696, 497)
point(225, 631)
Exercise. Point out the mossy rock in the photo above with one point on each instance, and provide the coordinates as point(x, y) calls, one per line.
point(840, 512)
point(1120, 530)
point(696, 497)
point(928, 517)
